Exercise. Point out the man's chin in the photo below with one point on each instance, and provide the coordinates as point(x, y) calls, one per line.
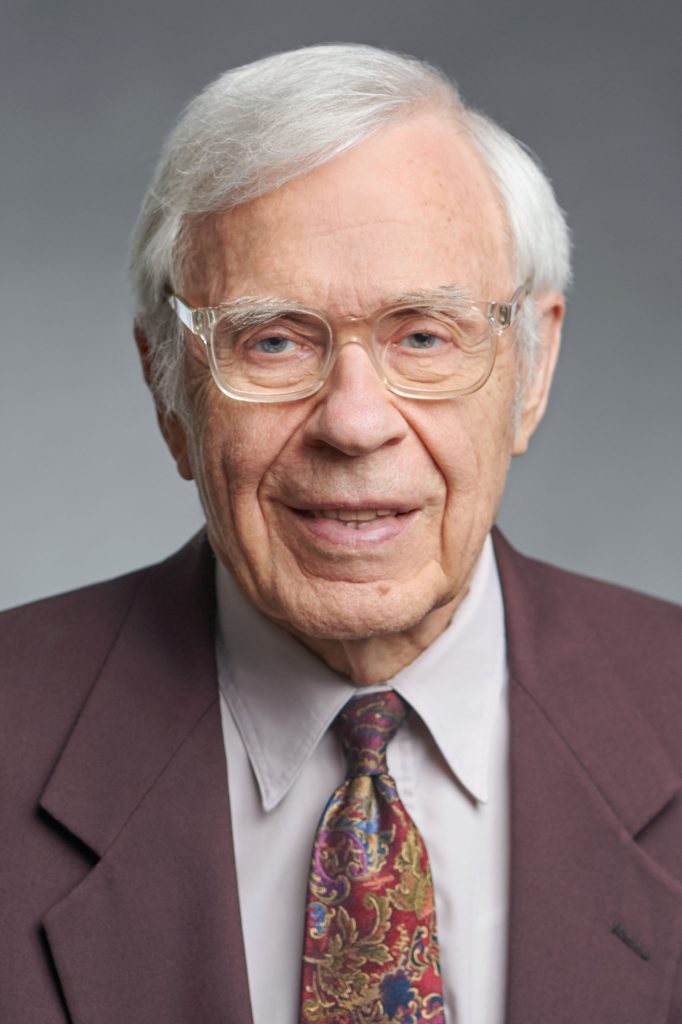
point(358, 617)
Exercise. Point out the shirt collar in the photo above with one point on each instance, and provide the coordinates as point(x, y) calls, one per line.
point(283, 698)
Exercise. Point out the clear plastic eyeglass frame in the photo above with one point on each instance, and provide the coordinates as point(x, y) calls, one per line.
point(201, 322)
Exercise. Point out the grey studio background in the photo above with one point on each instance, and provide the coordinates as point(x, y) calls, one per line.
point(88, 94)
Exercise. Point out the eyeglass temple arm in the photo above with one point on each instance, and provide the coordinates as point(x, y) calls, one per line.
point(504, 312)
point(193, 319)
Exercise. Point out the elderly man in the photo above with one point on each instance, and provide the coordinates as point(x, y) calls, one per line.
point(349, 294)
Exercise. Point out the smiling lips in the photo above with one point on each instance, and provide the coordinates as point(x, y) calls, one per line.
point(358, 518)
point(354, 518)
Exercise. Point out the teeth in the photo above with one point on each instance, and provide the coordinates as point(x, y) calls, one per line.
point(352, 515)
point(359, 515)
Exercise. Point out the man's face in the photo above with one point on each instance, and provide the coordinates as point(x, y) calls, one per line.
point(410, 209)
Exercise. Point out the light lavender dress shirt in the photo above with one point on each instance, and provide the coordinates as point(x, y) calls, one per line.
point(449, 761)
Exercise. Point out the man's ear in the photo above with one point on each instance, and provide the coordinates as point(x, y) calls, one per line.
point(172, 429)
point(550, 308)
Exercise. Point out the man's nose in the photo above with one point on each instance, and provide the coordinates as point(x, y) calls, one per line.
point(354, 412)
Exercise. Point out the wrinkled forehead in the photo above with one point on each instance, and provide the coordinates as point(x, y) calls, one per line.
point(412, 207)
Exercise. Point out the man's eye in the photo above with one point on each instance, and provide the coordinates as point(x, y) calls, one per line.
point(422, 341)
point(275, 345)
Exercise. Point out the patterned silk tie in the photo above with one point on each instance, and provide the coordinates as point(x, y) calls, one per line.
point(370, 951)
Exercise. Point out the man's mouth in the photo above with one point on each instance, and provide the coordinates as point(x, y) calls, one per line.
point(353, 518)
point(372, 521)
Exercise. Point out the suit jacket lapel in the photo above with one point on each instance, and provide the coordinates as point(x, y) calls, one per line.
point(594, 922)
point(153, 931)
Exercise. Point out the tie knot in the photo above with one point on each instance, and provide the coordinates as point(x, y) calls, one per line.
point(366, 725)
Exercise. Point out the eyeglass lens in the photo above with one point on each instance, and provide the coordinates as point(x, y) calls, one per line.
point(412, 349)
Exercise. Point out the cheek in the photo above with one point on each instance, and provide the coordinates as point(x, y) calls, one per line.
point(234, 445)
point(471, 448)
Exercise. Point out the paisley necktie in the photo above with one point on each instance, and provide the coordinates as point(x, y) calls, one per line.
point(370, 951)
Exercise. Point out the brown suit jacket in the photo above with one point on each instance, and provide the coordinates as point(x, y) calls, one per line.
point(119, 901)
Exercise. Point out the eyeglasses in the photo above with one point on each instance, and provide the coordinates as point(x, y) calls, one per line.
point(430, 346)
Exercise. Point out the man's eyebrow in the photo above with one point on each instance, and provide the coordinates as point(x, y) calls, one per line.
point(447, 295)
point(250, 311)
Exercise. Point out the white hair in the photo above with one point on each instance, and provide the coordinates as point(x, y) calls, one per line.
point(262, 124)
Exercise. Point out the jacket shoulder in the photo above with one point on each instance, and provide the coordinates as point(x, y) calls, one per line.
point(572, 596)
point(63, 628)
point(640, 636)
point(51, 651)
point(626, 619)
point(608, 599)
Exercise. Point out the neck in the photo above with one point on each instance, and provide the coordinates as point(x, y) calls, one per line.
point(377, 658)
